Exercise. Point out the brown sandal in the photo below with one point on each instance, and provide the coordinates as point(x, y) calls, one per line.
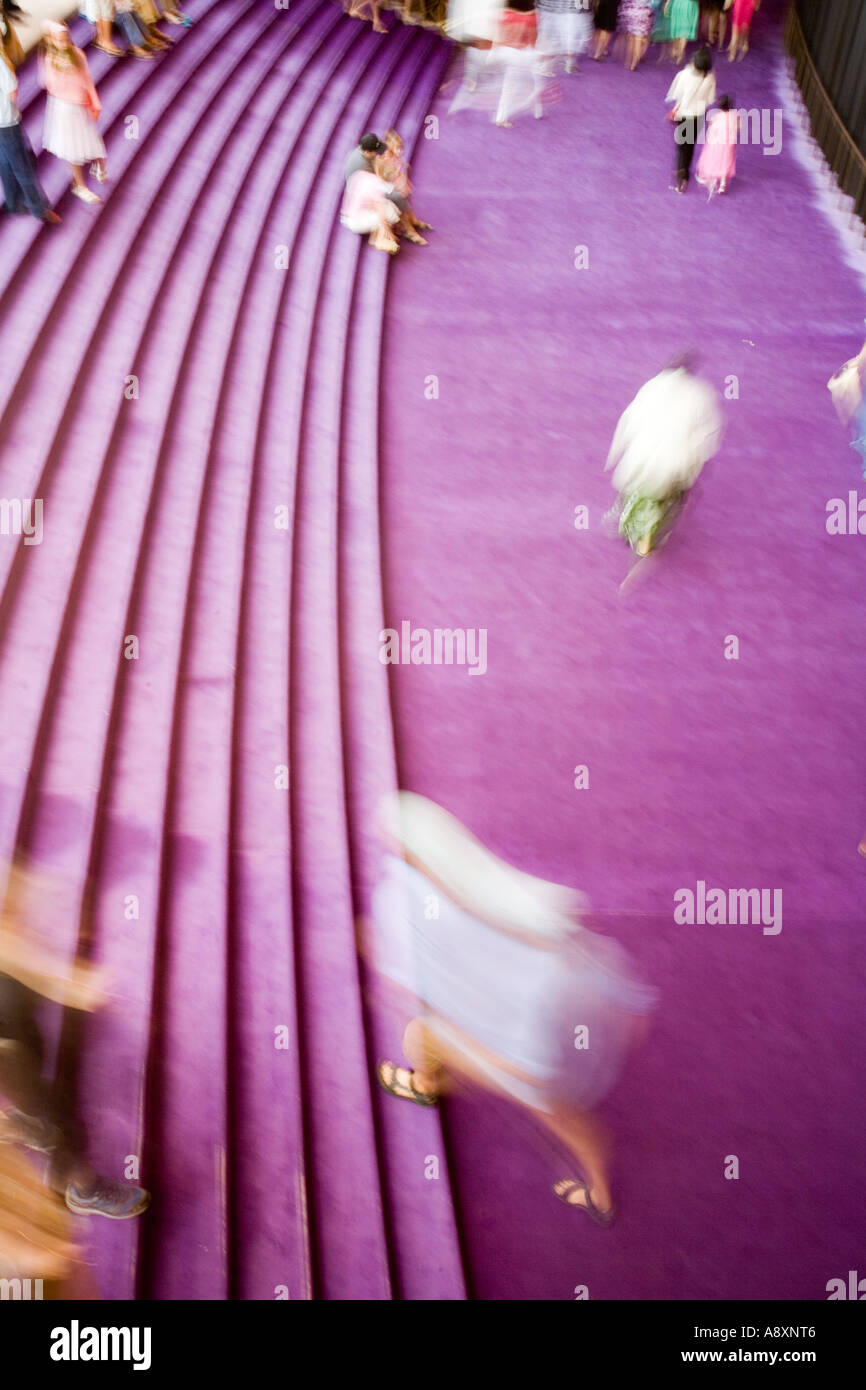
point(395, 1087)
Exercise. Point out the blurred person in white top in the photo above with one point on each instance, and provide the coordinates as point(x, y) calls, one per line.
point(663, 439)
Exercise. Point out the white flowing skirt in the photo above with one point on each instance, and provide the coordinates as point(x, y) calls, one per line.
point(473, 19)
point(494, 997)
point(563, 33)
point(71, 133)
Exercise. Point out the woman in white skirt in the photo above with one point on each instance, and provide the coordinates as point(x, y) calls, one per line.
point(564, 28)
point(72, 110)
point(511, 987)
point(101, 14)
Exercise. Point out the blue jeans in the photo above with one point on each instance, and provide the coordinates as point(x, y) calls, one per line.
point(134, 30)
point(22, 191)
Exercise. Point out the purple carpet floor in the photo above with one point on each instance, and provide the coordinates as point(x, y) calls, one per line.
point(223, 400)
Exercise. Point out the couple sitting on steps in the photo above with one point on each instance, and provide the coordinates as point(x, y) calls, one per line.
point(376, 201)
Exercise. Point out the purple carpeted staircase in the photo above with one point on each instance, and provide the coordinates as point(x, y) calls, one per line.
point(272, 1168)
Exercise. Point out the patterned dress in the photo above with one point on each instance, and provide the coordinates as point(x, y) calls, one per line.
point(637, 18)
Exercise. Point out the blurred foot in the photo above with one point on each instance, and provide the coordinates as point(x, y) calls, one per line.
point(51, 218)
point(85, 194)
point(406, 1084)
point(29, 1131)
point(104, 1197)
point(577, 1194)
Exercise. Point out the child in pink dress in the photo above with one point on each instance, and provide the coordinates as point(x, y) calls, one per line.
point(72, 108)
point(718, 161)
point(741, 22)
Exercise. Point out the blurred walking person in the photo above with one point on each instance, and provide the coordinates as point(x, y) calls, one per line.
point(516, 56)
point(44, 1117)
point(605, 23)
point(637, 20)
point(72, 109)
point(715, 20)
point(22, 191)
point(742, 14)
point(564, 30)
point(663, 439)
point(718, 162)
point(848, 390)
point(497, 982)
point(683, 20)
point(692, 91)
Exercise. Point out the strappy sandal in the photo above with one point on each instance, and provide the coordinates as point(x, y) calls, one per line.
point(570, 1186)
point(394, 1087)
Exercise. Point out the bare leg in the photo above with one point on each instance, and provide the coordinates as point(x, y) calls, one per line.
point(582, 1133)
point(419, 1048)
point(104, 39)
point(585, 1137)
point(407, 225)
point(77, 175)
point(382, 238)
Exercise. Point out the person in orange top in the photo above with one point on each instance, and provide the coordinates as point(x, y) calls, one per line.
point(72, 110)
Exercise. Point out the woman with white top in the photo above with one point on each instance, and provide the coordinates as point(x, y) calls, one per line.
point(692, 91)
point(505, 986)
point(662, 441)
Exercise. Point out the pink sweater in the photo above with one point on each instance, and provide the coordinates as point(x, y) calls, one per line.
point(72, 84)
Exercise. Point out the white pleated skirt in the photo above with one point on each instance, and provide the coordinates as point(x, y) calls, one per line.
point(568, 33)
point(71, 133)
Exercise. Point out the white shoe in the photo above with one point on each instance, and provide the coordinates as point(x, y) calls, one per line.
point(85, 194)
